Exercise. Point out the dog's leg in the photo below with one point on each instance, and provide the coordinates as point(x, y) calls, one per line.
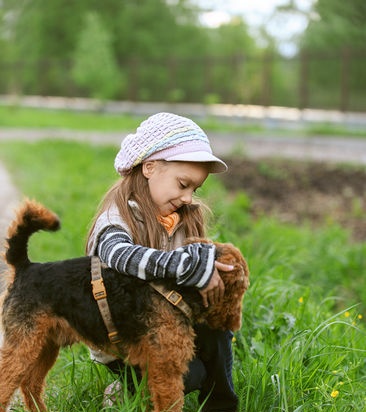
point(10, 375)
point(164, 353)
point(23, 350)
point(14, 361)
point(165, 382)
point(33, 383)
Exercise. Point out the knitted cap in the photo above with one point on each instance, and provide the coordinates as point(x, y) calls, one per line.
point(166, 136)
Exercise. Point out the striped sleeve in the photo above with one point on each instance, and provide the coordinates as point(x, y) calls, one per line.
point(190, 265)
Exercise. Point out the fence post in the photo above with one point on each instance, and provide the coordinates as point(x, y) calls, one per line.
point(133, 79)
point(303, 80)
point(266, 79)
point(172, 75)
point(207, 83)
point(344, 92)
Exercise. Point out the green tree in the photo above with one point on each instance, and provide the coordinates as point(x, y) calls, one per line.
point(95, 67)
point(333, 40)
point(44, 34)
point(158, 45)
point(237, 58)
point(336, 24)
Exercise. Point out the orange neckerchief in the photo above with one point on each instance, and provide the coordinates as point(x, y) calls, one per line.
point(169, 222)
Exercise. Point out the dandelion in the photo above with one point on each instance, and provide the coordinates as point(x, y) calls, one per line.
point(347, 314)
point(233, 339)
point(301, 299)
point(359, 316)
point(334, 393)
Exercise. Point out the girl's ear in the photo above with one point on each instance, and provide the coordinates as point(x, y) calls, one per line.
point(148, 168)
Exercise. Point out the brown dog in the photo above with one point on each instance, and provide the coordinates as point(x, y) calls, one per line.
point(49, 305)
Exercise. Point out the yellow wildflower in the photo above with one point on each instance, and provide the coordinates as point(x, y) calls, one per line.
point(301, 299)
point(359, 316)
point(347, 314)
point(334, 393)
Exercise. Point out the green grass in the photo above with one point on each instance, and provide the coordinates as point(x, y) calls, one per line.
point(22, 117)
point(302, 344)
point(14, 116)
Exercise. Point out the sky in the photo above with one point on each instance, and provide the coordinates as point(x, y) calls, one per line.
point(257, 13)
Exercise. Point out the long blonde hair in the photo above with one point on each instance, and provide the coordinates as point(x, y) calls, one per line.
point(134, 187)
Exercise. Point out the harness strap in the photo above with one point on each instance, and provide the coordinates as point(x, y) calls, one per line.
point(100, 295)
point(174, 298)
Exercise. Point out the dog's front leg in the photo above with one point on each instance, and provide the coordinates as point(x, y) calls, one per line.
point(166, 387)
point(164, 377)
point(164, 353)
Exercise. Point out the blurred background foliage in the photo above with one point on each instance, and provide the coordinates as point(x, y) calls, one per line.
point(159, 50)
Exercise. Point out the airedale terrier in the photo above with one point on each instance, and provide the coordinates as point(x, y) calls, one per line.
point(50, 305)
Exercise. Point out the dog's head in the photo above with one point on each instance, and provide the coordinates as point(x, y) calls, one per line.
point(227, 315)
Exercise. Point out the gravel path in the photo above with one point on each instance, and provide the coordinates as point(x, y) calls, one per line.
point(9, 198)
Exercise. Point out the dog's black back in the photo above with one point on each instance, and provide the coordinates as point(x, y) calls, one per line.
point(63, 288)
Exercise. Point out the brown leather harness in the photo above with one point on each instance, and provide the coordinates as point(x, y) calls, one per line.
point(100, 295)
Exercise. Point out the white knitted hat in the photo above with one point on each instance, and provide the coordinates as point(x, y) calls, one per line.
point(166, 136)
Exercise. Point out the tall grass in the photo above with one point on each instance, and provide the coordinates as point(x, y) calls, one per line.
point(302, 344)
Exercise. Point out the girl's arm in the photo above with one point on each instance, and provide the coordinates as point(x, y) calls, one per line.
point(190, 265)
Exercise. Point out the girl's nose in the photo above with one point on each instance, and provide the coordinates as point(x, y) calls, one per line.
point(186, 198)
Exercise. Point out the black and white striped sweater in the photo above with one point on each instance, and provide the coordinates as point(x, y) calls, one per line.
point(190, 265)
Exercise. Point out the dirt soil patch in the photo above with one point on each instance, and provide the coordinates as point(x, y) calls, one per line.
point(299, 192)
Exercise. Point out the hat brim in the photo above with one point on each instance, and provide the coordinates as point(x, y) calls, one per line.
point(215, 164)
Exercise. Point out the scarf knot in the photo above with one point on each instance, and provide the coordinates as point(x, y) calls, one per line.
point(169, 222)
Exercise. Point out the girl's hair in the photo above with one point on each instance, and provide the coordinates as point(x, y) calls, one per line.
point(135, 187)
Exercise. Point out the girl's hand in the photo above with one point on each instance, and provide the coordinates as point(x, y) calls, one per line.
point(213, 293)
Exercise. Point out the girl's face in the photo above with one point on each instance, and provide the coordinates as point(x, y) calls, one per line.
point(172, 184)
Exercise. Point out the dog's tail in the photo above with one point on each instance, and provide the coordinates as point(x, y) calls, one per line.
point(30, 218)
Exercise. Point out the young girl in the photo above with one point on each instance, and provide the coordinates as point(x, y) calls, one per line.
point(140, 228)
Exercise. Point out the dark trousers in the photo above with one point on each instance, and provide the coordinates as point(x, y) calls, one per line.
point(210, 372)
point(215, 353)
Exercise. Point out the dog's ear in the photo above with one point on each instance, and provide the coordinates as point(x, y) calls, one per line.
point(231, 255)
point(228, 314)
point(227, 253)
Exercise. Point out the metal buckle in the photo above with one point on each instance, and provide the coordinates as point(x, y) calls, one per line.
point(114, 338)
point(99, 291)
point(174, 297)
